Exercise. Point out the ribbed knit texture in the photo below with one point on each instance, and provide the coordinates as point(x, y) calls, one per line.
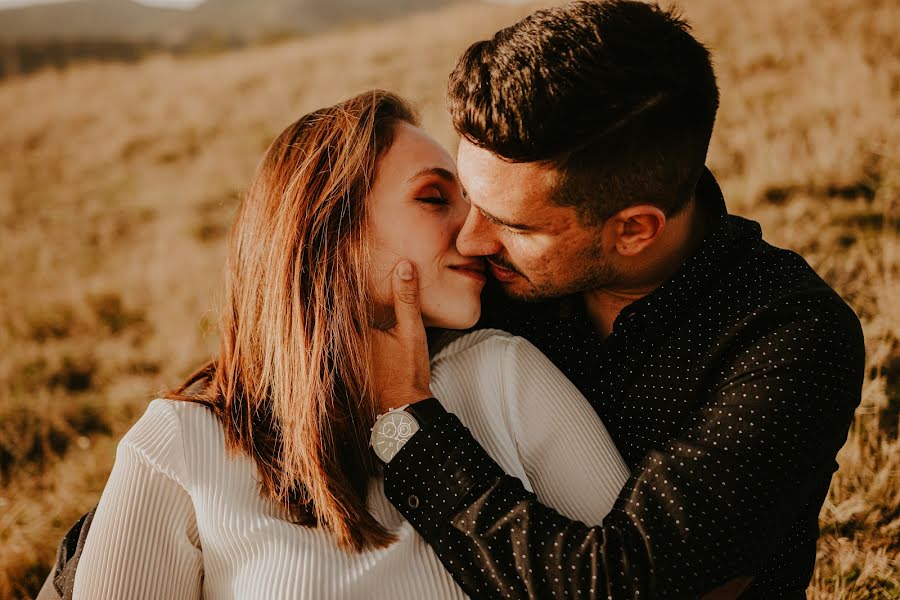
point(180, 519)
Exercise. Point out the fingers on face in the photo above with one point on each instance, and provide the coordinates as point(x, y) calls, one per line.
point(405, 287)
point(406, 295)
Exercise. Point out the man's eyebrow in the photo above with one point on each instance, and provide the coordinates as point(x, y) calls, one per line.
point(498, 221)
point(444, 174)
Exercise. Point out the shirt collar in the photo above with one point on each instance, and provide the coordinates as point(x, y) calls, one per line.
point(726, 236)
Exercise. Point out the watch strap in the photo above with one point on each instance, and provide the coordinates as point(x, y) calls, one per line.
point(425, 411)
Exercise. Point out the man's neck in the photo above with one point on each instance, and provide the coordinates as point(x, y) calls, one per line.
point(679, 241)
point(603, 306)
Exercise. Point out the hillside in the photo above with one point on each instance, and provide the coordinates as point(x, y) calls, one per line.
point(118, 183)
point(247, 21)
point(61, 34)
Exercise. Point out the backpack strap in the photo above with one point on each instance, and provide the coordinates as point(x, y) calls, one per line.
point(60, 583)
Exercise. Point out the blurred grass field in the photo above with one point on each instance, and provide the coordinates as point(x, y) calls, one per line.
point(118, 183)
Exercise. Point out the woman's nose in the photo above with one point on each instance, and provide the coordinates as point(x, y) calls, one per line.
point(476, 237)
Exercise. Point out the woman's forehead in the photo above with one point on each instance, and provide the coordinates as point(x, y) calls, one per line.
point(413, 149)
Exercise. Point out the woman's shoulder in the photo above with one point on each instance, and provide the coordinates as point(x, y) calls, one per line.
point(166, 418)
point(486, 349)
point(487, 363)
point(475, 342)
point(161, 435)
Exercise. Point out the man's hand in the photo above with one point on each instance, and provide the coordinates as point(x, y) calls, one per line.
point(399, 364)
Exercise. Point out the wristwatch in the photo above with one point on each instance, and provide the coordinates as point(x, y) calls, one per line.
point(395, 427)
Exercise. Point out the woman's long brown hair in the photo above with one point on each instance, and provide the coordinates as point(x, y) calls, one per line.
point(290, 382)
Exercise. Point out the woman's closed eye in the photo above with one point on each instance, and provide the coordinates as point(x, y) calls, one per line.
point(432, 200)
point(432, 195)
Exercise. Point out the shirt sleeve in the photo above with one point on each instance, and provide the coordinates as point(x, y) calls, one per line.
point(144, 541)
point(682, 525)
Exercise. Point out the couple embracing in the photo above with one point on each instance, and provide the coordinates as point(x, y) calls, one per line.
point(554, 368)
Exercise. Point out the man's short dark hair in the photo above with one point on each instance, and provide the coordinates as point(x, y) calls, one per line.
point(616, 95)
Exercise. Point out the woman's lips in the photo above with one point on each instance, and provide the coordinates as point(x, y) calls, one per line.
point(473, 271)
point(502, 275)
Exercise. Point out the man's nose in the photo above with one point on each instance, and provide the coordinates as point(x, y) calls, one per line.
point(476, 238)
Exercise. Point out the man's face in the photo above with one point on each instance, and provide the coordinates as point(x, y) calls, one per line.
point(536, 249)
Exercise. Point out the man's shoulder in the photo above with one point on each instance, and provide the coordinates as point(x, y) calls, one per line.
point(767, 278)
point(773, 294)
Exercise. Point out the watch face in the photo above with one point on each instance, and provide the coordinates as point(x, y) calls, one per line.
point(391, 431)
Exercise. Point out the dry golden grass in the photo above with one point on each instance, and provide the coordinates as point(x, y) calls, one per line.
point(117, 183)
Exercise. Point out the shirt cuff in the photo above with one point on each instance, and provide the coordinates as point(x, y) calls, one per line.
point(435, 471)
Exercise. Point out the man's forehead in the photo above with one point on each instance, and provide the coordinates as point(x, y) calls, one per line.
point(491, 181)
point(480, 168)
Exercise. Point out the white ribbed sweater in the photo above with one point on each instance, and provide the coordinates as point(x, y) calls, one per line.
point(180, 519)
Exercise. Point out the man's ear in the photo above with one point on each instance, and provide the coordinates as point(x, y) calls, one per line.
point(636, 227)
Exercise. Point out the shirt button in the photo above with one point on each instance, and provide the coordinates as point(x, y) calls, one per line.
point(413, 501)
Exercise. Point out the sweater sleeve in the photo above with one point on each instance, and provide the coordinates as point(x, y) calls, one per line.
point(144, 541)
point(568, 455)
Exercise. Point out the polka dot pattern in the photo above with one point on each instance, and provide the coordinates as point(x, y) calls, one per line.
point(728, 391)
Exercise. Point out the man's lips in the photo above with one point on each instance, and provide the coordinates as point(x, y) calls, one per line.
point(501, 274)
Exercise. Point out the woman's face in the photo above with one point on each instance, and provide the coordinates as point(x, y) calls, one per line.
point(416, 209)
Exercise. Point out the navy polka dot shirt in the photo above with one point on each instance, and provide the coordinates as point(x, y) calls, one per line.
point(728, 390)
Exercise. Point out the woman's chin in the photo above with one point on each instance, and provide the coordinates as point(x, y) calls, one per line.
point(452, 320)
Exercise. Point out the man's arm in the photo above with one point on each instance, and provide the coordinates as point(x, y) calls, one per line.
point(707, 508)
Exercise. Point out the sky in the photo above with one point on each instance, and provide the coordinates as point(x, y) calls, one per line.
point(174, 3)
point(170, 3)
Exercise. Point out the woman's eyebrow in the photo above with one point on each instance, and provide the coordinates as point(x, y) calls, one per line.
point(450, 177)
point(441, 172)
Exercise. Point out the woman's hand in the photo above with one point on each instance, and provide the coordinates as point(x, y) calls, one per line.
point(398, 364)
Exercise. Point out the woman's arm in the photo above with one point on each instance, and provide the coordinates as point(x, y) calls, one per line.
point(567, 453)
point(143, 541)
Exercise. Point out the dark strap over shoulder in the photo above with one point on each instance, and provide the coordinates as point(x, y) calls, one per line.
point(61, 580)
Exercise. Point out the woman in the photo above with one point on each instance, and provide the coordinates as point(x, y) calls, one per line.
point(255, 479)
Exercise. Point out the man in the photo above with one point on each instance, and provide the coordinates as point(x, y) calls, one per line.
point(725, 369)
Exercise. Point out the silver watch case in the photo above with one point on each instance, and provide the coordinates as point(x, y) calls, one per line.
point(391, 431)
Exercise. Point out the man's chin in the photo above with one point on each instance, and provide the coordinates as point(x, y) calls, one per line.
point(521, 291)
point(525, 291)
